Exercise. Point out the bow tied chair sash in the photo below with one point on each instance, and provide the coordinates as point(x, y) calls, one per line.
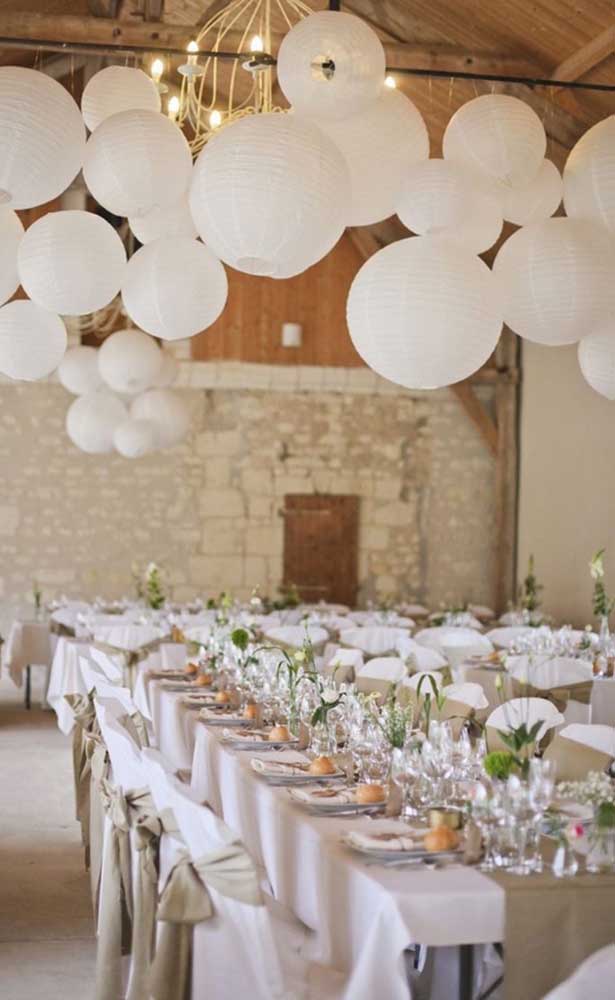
point(185, 901)
point(86, 725)
point(57, 628)
point(558, 696)
point(131, 657)
point(127, 917)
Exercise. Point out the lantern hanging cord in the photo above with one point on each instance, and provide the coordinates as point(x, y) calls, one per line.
point(94, 48)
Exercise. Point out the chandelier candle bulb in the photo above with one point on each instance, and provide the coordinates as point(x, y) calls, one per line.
point(173, 106)
point(156, 70)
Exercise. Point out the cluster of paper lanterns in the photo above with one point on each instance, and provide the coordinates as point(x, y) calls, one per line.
point(124, 402)
point(270, 194)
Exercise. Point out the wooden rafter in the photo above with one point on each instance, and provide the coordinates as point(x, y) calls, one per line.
point(589, 55)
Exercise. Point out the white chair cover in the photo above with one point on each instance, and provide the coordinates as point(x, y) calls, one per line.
point(426, 659)
point(294, 636)
point(342, 663)
point(593, 980)
point(234, 953)
point(173, 655)
point(529, 710)
point(127, 636)
point(379, 673)
point(465, 619)
point(124, 753)
point(547, 672)
point(455, 642)
point(601, 738)
point(505, 636)
point(482, 612)
point(111, 666)
point(375, 640)
point(65, 678)
point(415, 679)
point(386, 619)
point(467, 693)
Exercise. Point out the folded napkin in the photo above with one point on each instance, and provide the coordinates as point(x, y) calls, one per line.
point(408, 840)
point(252, 735)
point(281, 768)
point(325, 796)
point(219, 716)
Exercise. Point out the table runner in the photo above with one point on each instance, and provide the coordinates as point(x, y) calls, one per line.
point(552, 925)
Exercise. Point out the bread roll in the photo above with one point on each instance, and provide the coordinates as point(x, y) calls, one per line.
point(441, 839)
point(204, 680)
point(279, 733)
point(322, 765)
point(369, 794)
point(191, 668)
point(250, 711)
point(223, 697)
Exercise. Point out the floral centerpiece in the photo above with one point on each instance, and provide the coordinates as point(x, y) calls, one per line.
point(395, 720)
point(602, 603)
point(297, 666)
point(529, 592)
point(153, 589)
point(598, 791)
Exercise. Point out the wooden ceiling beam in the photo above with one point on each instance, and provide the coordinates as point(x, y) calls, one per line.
point(589, 55)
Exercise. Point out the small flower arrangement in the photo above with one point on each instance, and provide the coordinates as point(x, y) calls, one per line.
point(500, 764)
point(603, 604)
point(241, 638)
point(394, 720)
point(153, 587)
point(37, 595)
point(431, 695)
point(529, 592)
point(329, 698)
point(595, 790)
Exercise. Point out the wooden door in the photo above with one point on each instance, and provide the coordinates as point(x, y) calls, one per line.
point(320, 546)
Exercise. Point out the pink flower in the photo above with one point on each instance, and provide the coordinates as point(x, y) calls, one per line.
point(575, 831)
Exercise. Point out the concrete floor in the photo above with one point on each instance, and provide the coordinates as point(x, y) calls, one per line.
point(47, 944)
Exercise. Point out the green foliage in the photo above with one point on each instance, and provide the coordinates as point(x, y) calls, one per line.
point(395, 721)
point(529, 595)
point(605, 815)
point(603, 604)
point(240, 637)
point(499, 764)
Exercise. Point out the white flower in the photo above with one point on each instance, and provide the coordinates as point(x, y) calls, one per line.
point(596, 566)
point(299, 656)
point(328, 695)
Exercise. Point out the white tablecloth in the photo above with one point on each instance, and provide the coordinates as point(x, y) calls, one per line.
point(28, 644)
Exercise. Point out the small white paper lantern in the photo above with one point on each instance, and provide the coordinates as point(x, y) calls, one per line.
point(169, 371)
point(379, 145)
point(32, 340)
point(556, 280)
point(498, 135)
point(174, 288)
point(353, 77)
point(174, 220)
point(135, 438)
point(265, 186)
point(71, 262)
point(129, 361)
point(597, 360)
point(42, 138)
point(167, 410)
point(11, 232)
point(78, 370)
point(91, 421)
point(136, 161)
point(114, 89)
point(446, 199)
point(589, 176)
point(424, 313)
point(535, 201)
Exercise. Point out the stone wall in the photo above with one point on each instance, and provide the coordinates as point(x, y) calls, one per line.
point(209, 510)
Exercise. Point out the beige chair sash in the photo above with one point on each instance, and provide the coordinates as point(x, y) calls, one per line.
point(99, 770)
point(61, 630)
point(136, 727)
point(559, 696)
point(574, 761)
point(185, 901)
point(131, 657)
point(86, 724)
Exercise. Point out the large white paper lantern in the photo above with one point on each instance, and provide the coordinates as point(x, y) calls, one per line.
point(173, 220)
point(135, 438)
point(167, 410)
point(353, 76)
point(91, 421)
point(379, 145)
point(78, 370)
point(129, 361)
point(71, 262)
point(498, 135)
point(556, 280)
point(42, 138)
point(265, 186)
point(446, 199)
point(11, 232)
point(535, 201)
point(174, 288)
point(136, 161)
point(424, 313)
point(597, 360)
point(168, 373)
point(114, 89)
point(589, 176)
point(32, 340)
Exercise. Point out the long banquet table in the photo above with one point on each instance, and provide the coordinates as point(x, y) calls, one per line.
point(363, 917)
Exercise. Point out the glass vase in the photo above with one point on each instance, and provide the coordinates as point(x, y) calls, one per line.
point(604, 633)
point(564, 864)
point(601, 854)
point(322, 743)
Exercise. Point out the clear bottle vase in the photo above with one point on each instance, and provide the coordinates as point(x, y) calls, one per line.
point(564, 864)
point(601, 854)
point(605, 633)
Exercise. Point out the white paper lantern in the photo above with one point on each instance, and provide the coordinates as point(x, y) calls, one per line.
point(129, 361)
point(135, 438)
point(78, 370)
point(174, 220)
point(169, 371)
point(42, 138)
point(114, 89)
point(535, 201)
point(424, 313)
point(91, 421)
point(355, 72)
point(597, 360)
point(556, 280)
point(446, 199)
point(71, 262)
point(264, 187)
point(11, 232)
point(32, 340)
point(167, 410)
point(379, 145)
point(136, 161)
point(498, 135)
point(589, 176)
point(174, 288)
